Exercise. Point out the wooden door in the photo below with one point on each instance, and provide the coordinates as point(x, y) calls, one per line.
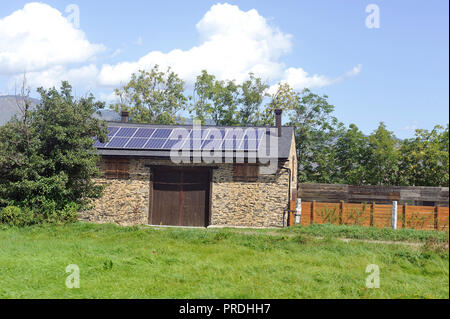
point(180, 197)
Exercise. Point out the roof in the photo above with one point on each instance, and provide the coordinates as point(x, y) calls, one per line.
point(284, 142)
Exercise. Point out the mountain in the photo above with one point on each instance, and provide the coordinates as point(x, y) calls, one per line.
point(9, 108)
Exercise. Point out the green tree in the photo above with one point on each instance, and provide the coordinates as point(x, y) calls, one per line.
point(316, 131)
point(152, 97)
point(352, 149)
point(253, 91)
point(227, 103)
point(54, 165)
point(425, 158)
point(215, 100)
point(383, 157)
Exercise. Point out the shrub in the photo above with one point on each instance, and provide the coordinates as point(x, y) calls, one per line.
point(19, 217)
point(15, 216)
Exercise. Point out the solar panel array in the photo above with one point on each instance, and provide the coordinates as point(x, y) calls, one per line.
point(141, 138)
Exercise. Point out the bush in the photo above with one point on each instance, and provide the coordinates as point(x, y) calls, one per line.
point(19, 217)
point(15, 216)
point(68, 214)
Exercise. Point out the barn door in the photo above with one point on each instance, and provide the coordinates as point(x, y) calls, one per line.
point(180, 197)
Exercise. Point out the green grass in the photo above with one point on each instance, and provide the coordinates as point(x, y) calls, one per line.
point(370, 233)
point(141, 262)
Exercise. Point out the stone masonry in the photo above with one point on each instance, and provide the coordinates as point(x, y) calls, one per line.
point(249, 204)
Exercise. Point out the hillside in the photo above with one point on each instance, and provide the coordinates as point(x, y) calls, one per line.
point(9, 108)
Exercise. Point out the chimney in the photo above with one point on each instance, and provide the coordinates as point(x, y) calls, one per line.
point(278, 113)
point(125, 115)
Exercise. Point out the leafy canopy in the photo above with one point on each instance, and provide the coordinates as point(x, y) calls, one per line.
point(47, 162)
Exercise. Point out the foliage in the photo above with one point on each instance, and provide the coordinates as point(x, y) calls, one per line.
point(383, 158)
point(425, 158)
point(152, 97)
point(316, 131)
point(227, 103)
point(352, 154)
point(15, 216)
point(48, 161)
point(20, 217)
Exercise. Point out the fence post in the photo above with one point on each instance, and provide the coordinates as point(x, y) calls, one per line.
point(298, 211)
point(341, 213)
point(394, 214)
point(405, 206)
point(313, 208)
point(372, 212)
point(436, 217)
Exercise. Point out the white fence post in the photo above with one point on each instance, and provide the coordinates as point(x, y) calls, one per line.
point(394, 214)
point(298, 211)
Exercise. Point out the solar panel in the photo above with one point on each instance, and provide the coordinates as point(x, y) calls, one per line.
point(230, 144)
point(118, 142)
point(215, 134)
point(144, 132)
point(212, 144)
point(235, 133)
point(162, 133)
point(136, 142)
point(249, 145)
point(193, 144)
point(155, 143)
point(112, 131)
point(126, 132)
point(177, 143)
point(246, 139)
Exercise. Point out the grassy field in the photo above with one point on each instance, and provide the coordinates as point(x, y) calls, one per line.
point(141, 262)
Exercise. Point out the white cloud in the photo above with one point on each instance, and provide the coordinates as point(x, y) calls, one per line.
point(84, 77)
point(39, 37)
point(234, 43)
point(41, 41)
point(299, 79)
point(411, 127)
point(355, 71)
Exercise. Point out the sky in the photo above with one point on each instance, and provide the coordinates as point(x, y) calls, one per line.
point(375, 60)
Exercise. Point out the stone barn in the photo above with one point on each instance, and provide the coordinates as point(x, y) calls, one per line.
point(203, 176)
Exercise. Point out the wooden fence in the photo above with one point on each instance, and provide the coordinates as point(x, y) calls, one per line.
point(411, 195)
point(372, 215)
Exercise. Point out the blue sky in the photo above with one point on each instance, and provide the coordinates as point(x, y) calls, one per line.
point(397, 73)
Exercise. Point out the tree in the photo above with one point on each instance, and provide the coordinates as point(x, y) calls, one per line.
point(383, 157)
point(152, 97)
point(352, 149)
point(215, 100)
point(316, 131)
point(253, 91)
point(56, 166)
point(424, 158)
point(228, 103)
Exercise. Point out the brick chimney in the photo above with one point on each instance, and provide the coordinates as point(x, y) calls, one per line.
point(278, 113)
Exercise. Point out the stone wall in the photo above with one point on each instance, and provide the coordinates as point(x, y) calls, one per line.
point(250, 204)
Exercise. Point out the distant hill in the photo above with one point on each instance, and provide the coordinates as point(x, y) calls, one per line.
point(9, 108)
